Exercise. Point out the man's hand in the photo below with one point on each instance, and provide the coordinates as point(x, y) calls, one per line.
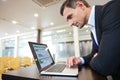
point(73, 61)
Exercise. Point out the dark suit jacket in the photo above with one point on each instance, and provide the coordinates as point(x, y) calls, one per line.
point(107, 24)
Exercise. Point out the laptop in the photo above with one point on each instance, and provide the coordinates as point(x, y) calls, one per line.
point(45, 63)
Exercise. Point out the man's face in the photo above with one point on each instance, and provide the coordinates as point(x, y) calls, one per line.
point(75, 17)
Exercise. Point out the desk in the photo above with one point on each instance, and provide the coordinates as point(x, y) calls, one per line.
point(31, 73)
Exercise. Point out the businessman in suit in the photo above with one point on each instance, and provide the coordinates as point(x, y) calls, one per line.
point(104, 24)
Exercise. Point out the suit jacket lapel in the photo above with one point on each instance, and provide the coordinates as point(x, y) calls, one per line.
point(98, 12)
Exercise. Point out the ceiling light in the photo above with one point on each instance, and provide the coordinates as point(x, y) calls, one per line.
point(33, 28)
point(46, 33)
point(59, 31)
point(51, 23)
point(14, 22)
point(36, 15)
point(17, 31)
point(43, 7)
point(6, 34)
point(4, 0)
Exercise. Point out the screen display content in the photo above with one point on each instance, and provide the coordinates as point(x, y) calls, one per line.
point(43, 55)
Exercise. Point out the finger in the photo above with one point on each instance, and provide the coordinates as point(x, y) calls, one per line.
point(71, 61)
point(77, 61)
point(67, 62)
point(74, 61)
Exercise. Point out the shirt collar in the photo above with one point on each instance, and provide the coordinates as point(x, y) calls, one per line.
point(91, 20)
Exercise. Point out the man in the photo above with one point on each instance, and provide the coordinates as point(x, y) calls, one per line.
point(104, 23)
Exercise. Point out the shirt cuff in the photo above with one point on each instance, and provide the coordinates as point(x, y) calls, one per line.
point(82, 61)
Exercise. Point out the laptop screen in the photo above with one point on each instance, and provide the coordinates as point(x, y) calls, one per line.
point(43, 55)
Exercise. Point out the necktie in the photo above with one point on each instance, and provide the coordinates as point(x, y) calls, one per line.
point(94, 41)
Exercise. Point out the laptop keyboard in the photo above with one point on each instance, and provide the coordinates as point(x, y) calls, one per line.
point(57, 68)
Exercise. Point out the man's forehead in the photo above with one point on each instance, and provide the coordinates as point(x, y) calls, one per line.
point(67, 11)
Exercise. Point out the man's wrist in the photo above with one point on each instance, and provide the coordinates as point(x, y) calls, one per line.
point(82, 60)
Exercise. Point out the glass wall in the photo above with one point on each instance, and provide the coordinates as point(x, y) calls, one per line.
point(8, 47)
point(18, 45)
point(23, 47)
point(60, 42)
point(85, 47)
point(64, 50)
point(85, 41)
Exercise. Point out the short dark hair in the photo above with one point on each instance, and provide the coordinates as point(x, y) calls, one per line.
point(71, 4)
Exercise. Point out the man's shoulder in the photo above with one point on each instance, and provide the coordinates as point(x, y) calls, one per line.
point(112, 3)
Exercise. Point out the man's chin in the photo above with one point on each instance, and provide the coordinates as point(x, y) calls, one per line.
point(81, 26)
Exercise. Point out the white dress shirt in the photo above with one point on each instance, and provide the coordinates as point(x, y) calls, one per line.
point(91, 26)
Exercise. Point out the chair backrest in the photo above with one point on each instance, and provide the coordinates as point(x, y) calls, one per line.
point(1, 65)
point(26, 61)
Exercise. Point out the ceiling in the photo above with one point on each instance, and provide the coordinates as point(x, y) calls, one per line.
point(23, 12)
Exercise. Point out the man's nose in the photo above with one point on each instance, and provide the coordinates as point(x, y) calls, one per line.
point(71, 23)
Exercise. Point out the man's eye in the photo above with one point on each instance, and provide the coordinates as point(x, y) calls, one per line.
point(69, 17)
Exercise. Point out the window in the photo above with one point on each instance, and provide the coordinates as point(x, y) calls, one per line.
point(23, 47)
point(18, 45)
point(85, 41)
point(8, 47)
point(85, 47)
point(60, 42)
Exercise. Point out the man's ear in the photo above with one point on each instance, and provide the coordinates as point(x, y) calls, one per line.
point(80, 4)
